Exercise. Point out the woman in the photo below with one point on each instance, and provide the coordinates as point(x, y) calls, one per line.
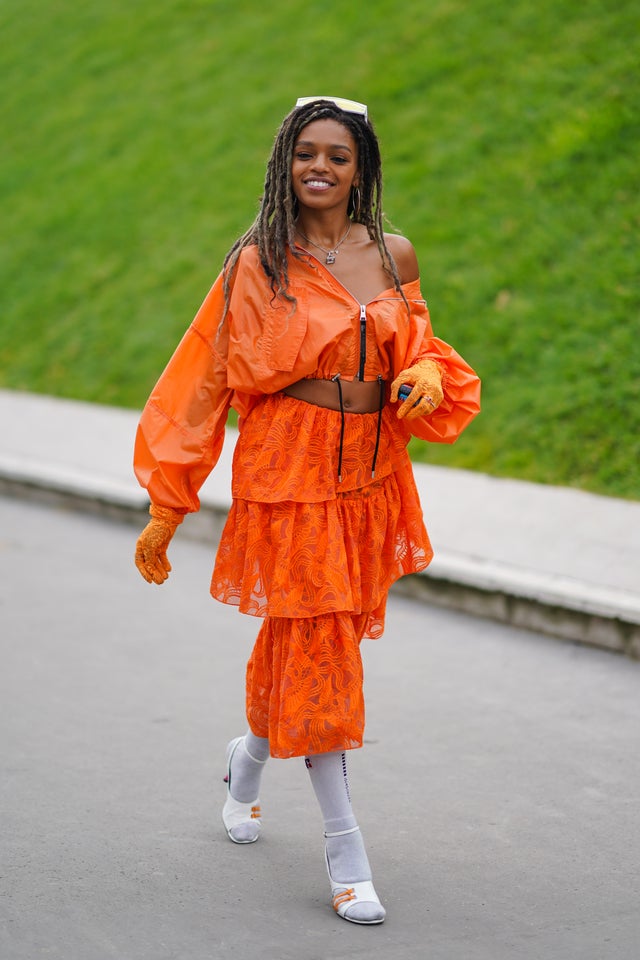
point(311, 330)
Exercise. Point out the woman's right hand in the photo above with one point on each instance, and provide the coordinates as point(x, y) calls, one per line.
point(151, 548)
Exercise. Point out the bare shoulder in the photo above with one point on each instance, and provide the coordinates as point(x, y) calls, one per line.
point(404, 255)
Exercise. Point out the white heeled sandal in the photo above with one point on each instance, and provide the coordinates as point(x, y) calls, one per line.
point(345, 896)
point(236, 814)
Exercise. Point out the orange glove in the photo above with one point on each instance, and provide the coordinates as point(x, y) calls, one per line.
point(151, 548)
point(425, 377)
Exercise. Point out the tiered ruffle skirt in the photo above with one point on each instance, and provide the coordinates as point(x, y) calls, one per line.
point(315, 557)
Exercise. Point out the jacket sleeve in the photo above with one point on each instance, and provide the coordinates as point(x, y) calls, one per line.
point(460, 384)
point(181, 430)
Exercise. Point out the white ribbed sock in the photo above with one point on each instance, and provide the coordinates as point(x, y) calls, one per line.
point(348, 862)
point(247, 767)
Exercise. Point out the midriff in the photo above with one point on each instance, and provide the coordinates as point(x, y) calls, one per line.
point(358, 396)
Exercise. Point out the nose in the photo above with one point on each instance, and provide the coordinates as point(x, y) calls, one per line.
point(320, 162)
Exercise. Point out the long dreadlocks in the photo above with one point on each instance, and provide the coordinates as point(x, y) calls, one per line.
point(273, 230)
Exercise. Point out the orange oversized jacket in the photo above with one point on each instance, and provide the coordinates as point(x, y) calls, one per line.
point(266, 344)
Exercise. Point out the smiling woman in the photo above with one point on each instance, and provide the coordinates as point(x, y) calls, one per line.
point(323, 173)
point(311, 351)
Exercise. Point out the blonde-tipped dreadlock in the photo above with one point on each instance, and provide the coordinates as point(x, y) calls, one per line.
point(273, 230)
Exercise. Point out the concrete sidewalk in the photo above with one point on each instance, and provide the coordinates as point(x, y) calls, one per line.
point(551, 559)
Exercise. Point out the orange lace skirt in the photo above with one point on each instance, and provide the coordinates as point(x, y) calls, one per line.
point(316, 558)
point(304, 684)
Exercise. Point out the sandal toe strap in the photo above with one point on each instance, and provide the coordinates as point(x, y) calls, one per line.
point(344, 896)
point(234, 813)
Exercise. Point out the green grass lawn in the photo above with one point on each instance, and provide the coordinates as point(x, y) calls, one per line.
point(134, 139)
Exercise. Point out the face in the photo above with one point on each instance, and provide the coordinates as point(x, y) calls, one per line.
point(325, 165)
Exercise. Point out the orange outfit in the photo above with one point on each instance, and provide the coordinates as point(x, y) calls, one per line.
point(312, 554)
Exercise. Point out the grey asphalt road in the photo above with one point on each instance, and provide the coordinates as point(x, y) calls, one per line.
point(498, 791)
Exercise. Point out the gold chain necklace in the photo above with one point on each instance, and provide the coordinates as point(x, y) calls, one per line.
point(333, 253)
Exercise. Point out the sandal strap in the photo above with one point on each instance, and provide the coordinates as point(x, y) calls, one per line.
point(342, 833)
point(345, 895)
point(234, 812)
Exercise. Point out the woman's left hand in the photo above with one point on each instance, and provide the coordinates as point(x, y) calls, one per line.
point(425, 378)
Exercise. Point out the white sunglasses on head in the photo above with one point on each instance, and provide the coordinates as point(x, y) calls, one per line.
point(349, 106)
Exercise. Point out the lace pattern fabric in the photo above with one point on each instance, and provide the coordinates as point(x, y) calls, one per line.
point(294, 559)
point(315, 558)
point(288, 450)
point(297, 543)
point(304, 684)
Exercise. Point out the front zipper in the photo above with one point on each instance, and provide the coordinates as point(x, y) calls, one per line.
point(363, 340)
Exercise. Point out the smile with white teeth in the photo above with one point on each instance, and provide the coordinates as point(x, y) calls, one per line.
point(318, 184)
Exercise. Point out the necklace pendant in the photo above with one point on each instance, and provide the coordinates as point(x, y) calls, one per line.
point(331, 256)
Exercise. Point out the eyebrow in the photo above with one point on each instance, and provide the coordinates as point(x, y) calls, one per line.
point(333, 146)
